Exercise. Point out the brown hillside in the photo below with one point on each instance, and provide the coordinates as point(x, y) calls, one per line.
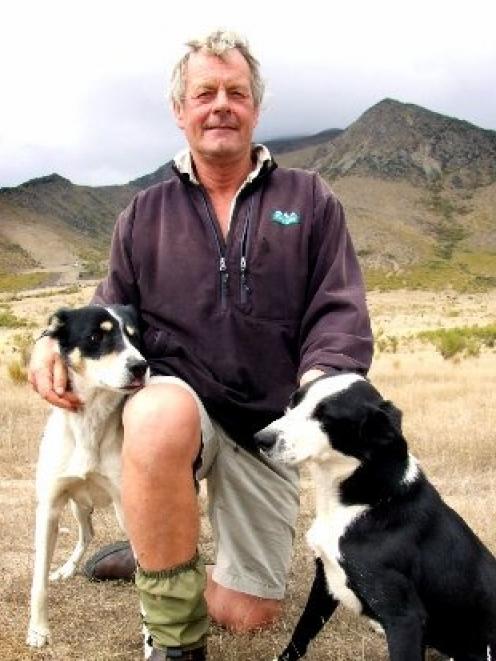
point(419, 189)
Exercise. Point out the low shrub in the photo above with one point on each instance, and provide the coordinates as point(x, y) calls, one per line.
point(18, 373)
point(15, 282)
point(10, 320)
point(17, 368)
point(467, 341)
point(386, 343)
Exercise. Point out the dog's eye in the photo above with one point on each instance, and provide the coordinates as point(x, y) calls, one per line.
point(94, 337)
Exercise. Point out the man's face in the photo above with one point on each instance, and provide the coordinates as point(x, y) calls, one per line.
point(218, 113)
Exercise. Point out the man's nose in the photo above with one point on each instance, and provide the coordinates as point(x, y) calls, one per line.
point(221, 101)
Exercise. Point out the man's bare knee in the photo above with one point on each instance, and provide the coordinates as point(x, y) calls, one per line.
point(241, 612)
point(260, 616)
point(162, 422)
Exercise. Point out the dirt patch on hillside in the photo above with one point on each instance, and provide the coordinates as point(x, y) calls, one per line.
point(50, 250)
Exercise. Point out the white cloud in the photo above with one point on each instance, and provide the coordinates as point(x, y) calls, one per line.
point(83, 83)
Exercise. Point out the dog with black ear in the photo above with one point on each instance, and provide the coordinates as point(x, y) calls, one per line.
point(386, 544)
point(80, 452)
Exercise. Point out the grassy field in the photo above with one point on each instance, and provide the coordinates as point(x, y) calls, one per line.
point(449, 411)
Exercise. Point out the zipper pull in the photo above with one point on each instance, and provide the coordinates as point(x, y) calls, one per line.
point(245, 290)
point(224, 277)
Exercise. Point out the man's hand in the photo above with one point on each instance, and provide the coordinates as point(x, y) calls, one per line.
point(310, 376)
point(47, 374)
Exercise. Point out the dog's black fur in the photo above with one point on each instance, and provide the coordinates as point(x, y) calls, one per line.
point(413, 563)
point(81, 328)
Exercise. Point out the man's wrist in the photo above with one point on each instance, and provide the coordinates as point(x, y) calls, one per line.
point(310, 375)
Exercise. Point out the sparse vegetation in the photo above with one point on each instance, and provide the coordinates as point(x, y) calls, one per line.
point(17, 367)
point(13, 282)
point(93, 270)
point(443, 403)
point(466, 341)
point(448, 230)
point(10, 320)
point(72, 289)
point(465, 272)
point(17, 372)
point(387, 343)
point(22, 344)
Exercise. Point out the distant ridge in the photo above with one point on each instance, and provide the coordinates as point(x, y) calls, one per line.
point(283, 145)
point(417, 186)
point(277, 146)
point(161, 173)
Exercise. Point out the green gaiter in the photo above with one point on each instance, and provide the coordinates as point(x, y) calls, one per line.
point(173, 605)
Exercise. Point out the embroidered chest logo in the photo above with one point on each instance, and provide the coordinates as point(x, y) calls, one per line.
point(286, 217)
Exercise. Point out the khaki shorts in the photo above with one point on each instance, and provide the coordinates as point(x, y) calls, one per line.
point(253, 505)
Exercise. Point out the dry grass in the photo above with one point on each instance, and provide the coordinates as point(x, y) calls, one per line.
point(449, 418)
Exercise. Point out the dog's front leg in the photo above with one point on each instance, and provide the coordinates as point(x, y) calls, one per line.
point(82, 514)
point(47, 521)
point(405, 638)
point(319, 608)
point(119, 514)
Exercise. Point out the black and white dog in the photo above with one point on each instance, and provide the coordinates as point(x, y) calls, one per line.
point(386, 545)
point(80, 452)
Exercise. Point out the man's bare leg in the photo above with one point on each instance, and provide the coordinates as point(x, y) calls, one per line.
point(237, 611)
point(161, 443)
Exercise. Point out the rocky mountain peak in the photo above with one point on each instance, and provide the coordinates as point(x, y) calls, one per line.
point(399, 140)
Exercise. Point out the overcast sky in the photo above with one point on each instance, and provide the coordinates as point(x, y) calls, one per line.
point(83, 83)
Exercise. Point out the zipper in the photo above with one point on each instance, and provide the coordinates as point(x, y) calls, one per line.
point(244, 289)
point(223, 272)
point(224, 277)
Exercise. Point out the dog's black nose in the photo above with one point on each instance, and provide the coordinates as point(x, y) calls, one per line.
point(137, 367)
point(265, 439)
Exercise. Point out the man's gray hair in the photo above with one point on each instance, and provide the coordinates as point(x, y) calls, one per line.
point(216, 43)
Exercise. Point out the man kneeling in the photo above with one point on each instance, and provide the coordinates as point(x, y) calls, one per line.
point(278, 299)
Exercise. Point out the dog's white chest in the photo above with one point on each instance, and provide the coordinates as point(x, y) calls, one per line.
point(323, 538)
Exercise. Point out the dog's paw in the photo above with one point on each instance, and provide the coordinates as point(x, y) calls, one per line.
point(375, 626)
point(38, 637)
point(63, 572)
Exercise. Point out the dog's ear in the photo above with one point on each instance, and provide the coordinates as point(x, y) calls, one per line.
point(382, 424)
point(132, 314)
point(394, 414)
point(128, 313)
point(295, 397)
point(57, 323)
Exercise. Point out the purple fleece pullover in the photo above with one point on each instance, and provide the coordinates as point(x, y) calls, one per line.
point(242, 319)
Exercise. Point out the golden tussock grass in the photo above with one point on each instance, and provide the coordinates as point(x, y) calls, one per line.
point(449, 420)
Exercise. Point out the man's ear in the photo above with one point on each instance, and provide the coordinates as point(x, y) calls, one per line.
point(382, 424)
point(257, 115)
point(178, 112)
